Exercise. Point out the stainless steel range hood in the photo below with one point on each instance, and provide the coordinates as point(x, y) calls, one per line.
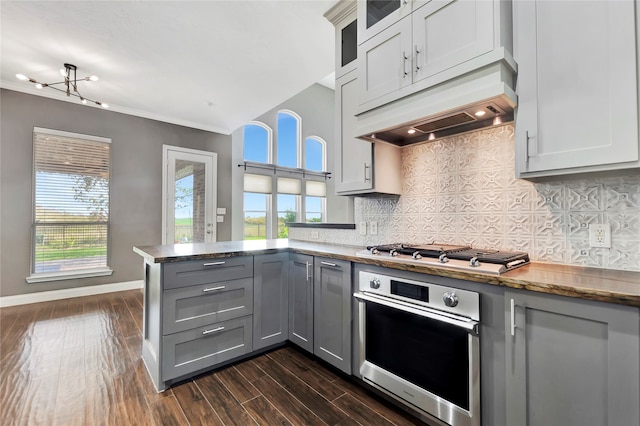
point(476, 100)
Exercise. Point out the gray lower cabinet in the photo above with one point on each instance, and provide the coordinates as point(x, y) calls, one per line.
point(301, 300)
point(196, 314)
point(571, 362)
point(332, 295)
point(203, 347)
point(271, 299)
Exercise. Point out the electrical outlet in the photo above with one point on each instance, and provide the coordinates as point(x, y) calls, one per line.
point(362, 229)
point(600, 235)
point(373, 228)
point(314, 235)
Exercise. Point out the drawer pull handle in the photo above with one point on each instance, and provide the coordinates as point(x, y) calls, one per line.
point(513, 317)
point(205, 290)
point(213, 263)
point(329, 264)
point(213, 330)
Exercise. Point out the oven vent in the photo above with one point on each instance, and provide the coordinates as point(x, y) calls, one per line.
point(445, 122)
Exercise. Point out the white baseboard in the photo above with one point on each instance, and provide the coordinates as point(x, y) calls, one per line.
point(67, 293)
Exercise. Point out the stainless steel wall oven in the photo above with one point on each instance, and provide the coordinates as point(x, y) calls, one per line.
point(420, 343)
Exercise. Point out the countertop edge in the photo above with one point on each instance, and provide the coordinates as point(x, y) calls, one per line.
point(516, 279)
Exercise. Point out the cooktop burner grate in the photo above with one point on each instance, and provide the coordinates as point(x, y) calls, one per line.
point(489, 256)
point(451, 252)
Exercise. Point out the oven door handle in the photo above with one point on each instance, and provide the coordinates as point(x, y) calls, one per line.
point(469, 325)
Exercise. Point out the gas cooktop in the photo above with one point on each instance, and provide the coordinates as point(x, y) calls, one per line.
point(449, 256)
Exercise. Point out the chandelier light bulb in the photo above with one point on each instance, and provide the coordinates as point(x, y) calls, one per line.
point(83, 100)
point(38, 86)
point(93, 78)
point(22, 77)
point(63, 72)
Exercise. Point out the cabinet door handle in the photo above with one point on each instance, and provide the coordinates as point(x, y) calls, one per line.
point(513, 317)
point(404, 64)
point(205, 290)
point(417, 63)
point(367, 178)
point(526, 147)
point(214, 330)
point(333, 265)
point(214, 263)
point(308, 274)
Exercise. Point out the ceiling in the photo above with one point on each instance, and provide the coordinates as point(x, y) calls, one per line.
point(212, 65)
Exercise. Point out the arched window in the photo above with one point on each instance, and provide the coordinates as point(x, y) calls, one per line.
point(272, 196)
point(257, 142)
point(288, 139)
point(315, 157)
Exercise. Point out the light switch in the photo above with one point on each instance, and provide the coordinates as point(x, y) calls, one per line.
point(221, 210)
point(219, 219)
point(362, 229)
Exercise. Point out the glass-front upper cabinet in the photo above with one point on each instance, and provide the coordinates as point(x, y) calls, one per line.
point(343, 17)
point(376, 15)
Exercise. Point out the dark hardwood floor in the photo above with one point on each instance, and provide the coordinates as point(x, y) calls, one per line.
point(77, 362)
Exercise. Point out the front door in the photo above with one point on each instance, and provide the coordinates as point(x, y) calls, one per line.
point(188, 195)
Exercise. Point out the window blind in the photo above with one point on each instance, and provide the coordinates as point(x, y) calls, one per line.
point(289, 186)
point(316, 188)
point(71, 201)
point(257, 183)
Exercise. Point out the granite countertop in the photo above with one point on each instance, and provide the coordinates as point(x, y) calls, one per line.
point(606, 285)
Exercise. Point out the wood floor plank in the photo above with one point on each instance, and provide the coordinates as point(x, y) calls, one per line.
point(167, 412)
point(304, 393)
point(360, 412)
point(385, 409)
point(286, 403)
point(264, 413)
point(224, 404)
point(318, 367)
point(308, 373)
point(194, 405)
point(237, 384)
point(250, 370)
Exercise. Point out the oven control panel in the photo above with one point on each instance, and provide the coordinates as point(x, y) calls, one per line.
point(447, 299)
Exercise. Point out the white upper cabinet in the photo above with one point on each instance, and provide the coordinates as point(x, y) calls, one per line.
point(386, 61)
point(448, 33)
point(360, 166)
point(438, 41)
point(577, 87)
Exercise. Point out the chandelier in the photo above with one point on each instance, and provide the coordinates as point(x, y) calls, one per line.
point(70, 86)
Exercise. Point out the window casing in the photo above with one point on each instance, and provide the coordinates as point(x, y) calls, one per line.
point(71, 179)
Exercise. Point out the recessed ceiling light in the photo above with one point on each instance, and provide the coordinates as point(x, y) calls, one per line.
point(411, 131)
point(480, 113)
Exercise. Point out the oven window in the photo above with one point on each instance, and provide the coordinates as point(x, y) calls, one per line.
point(428, 353)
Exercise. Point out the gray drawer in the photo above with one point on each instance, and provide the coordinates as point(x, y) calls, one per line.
point(195, 306)
point(197, 272)
point(192, 350)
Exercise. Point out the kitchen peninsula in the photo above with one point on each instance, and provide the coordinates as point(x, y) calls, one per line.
point(207, 305)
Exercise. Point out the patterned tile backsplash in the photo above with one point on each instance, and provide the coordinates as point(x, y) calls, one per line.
point(462, 190)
